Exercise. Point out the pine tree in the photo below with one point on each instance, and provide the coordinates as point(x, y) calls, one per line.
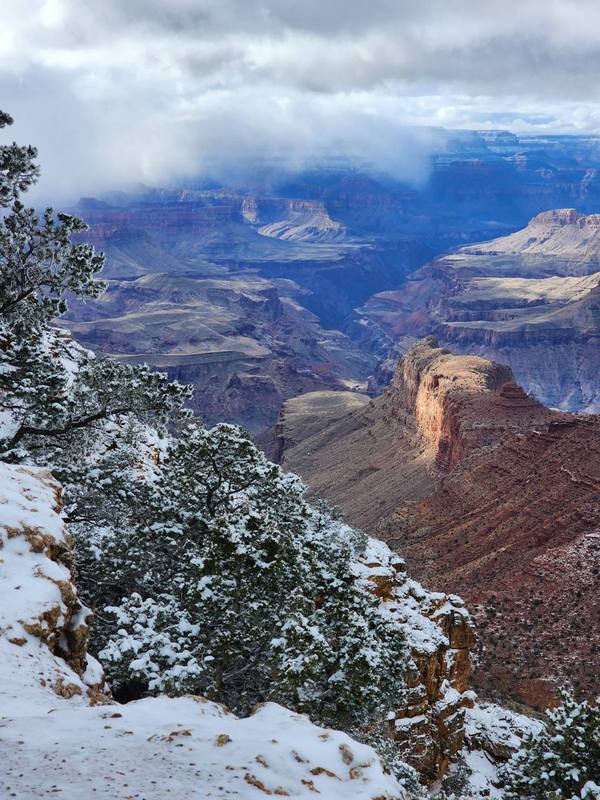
point(561, 762)
point(51, 392)
point(244, 592)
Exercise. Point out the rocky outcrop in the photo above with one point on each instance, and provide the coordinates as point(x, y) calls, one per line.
point(305, 221)
point(486, 493)
point(429, 729)
point(516, 527)
point(43, 624)
point(438, 409)
point(438, 391)
point(530, 300)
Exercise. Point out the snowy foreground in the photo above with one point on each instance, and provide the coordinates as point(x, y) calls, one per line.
point(54, 742)
point(183, 748)
point(62, 736)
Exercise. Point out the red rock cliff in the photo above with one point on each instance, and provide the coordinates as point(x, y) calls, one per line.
point(458, 403)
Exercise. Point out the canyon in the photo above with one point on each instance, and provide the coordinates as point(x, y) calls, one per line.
point(246, 343)
point(287, 281)
point(287, 303)
point(530, 299)
point(484, 491)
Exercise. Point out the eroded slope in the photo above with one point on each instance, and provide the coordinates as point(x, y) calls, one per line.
point(486, 492)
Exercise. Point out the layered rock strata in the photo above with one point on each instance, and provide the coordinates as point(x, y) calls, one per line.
point(485, 492)
point(531, 300)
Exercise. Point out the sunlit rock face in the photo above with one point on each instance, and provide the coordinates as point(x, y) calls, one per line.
point(486, 493)
point(530, 299)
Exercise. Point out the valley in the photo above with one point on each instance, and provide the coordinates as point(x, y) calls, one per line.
point(314, 280)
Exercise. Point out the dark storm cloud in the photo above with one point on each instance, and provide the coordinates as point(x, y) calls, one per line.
point(152, 90)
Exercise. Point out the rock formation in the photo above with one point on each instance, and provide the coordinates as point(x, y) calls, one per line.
point(246, 343)
point(430, 728)
point(530, 300)
point(485, 492)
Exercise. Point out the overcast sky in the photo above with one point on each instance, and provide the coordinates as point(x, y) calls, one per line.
point(114, 91)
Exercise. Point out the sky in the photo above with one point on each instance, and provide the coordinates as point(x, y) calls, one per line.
point(115, 92)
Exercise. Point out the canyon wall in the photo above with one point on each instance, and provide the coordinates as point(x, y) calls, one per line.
point(530, 299)
point(485, 492)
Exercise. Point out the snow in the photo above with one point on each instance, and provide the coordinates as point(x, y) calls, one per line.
point(29, 588)
point(409, 600)
point(491, 728)
point(61, 746)
point(484, 773)
point(55, 743)
point(184, 748)
point(493, 723)
point(405, 723)
point(590, 791)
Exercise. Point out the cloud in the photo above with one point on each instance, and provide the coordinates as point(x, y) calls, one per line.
point(157, 90)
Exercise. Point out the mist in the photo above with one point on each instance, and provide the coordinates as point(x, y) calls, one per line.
point(162, 91)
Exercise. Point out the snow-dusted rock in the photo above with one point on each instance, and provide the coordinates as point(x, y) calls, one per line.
point(497, 730)
point(43, 625)
point(429, 728)
point(492, 735)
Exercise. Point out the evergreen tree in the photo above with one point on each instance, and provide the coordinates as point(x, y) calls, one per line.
point(563, 761)
point(51, 392)
point(243, 592)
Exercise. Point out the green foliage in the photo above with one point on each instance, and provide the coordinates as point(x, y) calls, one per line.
point(561, 762)
point(239, 590)
point(456, 784)
point(386, 748)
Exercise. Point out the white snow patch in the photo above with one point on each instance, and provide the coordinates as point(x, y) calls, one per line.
point(185, 748)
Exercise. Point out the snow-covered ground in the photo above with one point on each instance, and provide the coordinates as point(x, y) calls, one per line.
point(55, 743)
point(492, 734)
point(183, 748)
